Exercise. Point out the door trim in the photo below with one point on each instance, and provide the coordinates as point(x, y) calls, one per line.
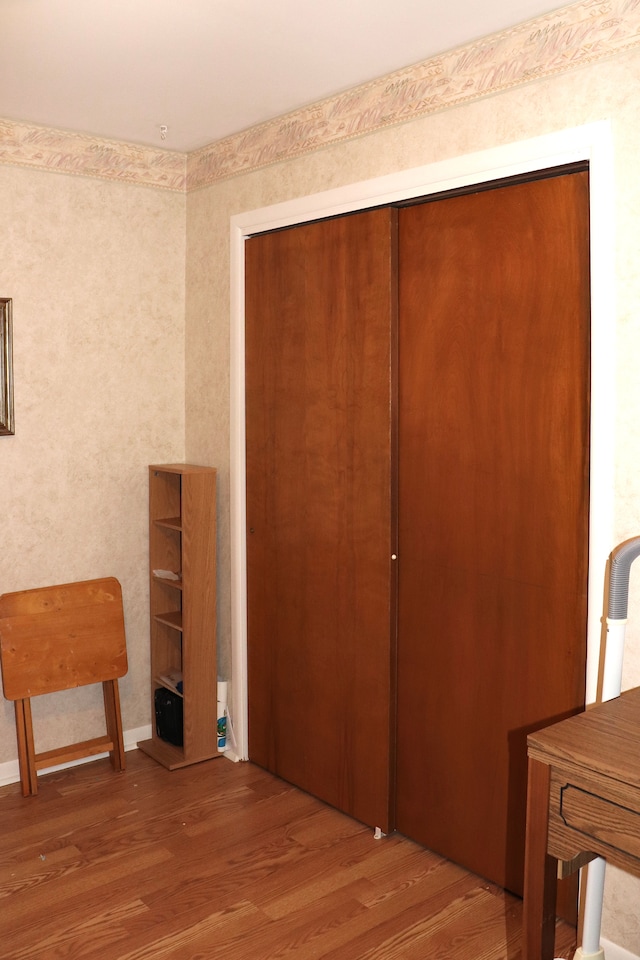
point(591, 142)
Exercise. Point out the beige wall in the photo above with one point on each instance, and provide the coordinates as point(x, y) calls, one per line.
point(605, 90)
point(96, 273)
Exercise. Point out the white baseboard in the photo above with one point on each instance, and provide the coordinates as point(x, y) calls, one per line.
point(613, 952)
point(10, 771)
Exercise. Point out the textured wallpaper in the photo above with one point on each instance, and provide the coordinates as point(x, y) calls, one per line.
point(96, 273)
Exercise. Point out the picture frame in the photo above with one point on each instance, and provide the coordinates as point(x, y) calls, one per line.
point(7, 428)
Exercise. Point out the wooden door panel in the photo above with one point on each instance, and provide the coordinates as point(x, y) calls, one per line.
point(493, 506)
point(320, 300)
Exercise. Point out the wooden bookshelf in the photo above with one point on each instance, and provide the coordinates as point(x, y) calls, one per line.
point(182, 577)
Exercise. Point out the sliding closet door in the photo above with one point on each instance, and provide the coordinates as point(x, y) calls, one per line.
point(320, 305)
point(493, 494)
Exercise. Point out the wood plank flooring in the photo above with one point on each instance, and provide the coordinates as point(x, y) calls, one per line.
point(224, 860)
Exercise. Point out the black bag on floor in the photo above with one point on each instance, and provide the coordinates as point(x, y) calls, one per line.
point(168, 708)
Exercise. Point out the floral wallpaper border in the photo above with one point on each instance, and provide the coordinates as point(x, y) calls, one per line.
point(60, 151)
point(570, 37)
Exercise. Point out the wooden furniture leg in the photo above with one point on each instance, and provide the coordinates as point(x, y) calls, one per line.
point(26, 748)
point(540, 872)
point(113, 717)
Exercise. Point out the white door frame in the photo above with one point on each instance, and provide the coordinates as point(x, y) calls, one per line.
point(592, 142)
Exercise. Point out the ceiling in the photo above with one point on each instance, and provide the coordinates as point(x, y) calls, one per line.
point(206, 69)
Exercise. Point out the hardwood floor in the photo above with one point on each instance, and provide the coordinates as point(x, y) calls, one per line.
point(224, 860)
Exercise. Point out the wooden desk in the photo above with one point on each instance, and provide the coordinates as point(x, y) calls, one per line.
point(583, 801)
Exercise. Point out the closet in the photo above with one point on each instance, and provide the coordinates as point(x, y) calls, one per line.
point(417, 506)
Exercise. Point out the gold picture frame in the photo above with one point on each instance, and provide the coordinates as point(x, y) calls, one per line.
point(6, 368)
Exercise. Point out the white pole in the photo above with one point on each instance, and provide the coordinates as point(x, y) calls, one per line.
point(611, 687)
point(614, 653)
point(592, 912)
